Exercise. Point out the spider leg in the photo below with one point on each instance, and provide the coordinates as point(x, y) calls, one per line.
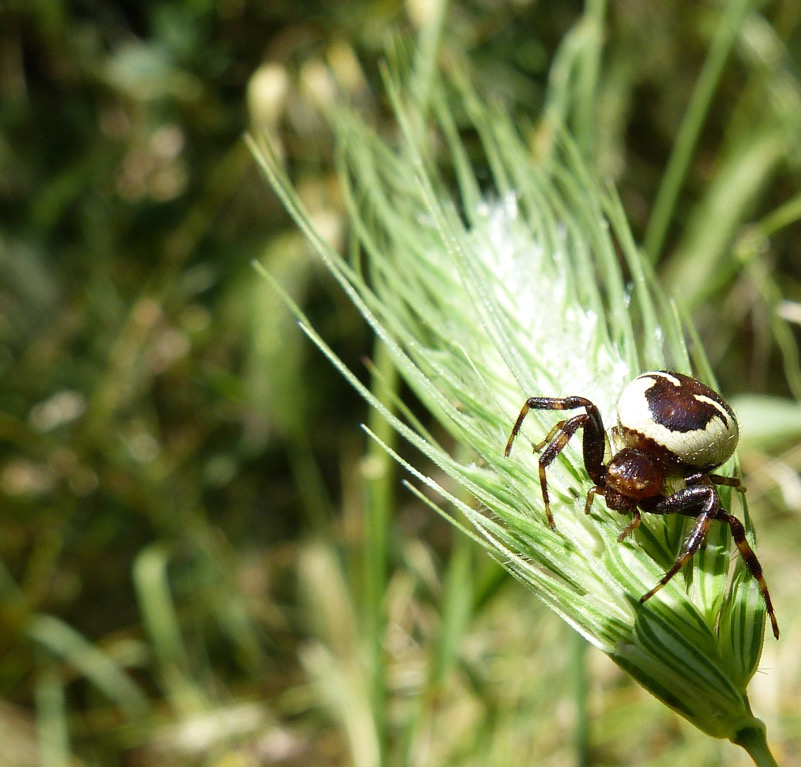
point(631, 527)
point(548, 403)
point(751, 561)
point(591, 493)
point(549, 436)
point(702, 501)
point(701, 478)
point(699, 501)
point(728, 482)
point(566, 430)
point(592, 445)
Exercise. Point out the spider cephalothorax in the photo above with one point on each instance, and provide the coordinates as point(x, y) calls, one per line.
point(669, 425)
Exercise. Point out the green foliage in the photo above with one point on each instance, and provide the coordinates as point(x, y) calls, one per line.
point(190, 572)
point(461, 292)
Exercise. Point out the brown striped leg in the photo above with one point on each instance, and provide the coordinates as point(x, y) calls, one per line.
point(591, 493)
point(728, 482)
point(697, 501)
point(592, 445)
point(566, 430)
point(690, 547)
point(717, 479)
point(631, 527)
point(594, 438)
point(702, 501)
point(751, 561)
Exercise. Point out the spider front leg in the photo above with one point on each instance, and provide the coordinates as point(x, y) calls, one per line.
point(697, 501)
point(559, 436)
point(702, 501)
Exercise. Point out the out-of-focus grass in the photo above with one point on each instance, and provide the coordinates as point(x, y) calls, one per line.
point(194, 565)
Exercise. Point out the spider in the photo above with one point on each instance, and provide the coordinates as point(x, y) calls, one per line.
point(669, 425)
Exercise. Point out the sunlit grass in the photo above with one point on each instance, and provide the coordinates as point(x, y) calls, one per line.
point(204, 561)
point(523, 284)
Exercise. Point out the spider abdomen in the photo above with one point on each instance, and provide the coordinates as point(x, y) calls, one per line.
point(686, 423)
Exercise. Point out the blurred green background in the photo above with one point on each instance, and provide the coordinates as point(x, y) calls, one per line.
point(182, 475)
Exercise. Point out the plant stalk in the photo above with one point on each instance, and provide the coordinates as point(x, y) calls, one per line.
point(754, 741)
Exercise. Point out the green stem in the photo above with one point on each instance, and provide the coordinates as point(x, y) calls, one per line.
point(379, 489)
point(589, 66)
point(52, 732)
point(457, 602)
point(687, 137)
point(581, 735)
point(754, 741)
point(425, 64)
